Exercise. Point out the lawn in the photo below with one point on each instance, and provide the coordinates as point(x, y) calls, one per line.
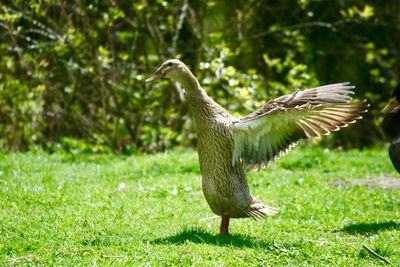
point(148, 210)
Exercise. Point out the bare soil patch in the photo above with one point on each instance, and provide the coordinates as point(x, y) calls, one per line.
point(381, 182)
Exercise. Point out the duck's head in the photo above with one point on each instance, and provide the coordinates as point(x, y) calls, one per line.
point(393, 101)
point(171, 69)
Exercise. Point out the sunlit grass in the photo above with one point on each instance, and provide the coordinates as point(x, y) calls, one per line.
point(148, 209)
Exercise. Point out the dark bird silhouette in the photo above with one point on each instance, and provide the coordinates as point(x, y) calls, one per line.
point(391, 127)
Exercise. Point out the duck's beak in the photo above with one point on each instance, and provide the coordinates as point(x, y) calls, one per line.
point(156, 75)
point(391, 105)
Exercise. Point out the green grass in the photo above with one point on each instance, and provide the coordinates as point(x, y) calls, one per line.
point(148, 210)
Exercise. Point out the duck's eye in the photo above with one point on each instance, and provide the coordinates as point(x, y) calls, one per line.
point(169, 64)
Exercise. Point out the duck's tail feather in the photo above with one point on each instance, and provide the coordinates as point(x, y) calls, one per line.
point(258, 210)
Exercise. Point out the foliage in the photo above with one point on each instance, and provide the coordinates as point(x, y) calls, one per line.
point(74, 70)
point(78, 209)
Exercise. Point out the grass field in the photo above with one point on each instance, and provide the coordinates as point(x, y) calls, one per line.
point(148, 210)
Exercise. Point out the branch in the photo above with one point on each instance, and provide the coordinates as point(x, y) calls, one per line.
point(376, 254)
point(179, 26)
point(297, 26)
point(27, 257)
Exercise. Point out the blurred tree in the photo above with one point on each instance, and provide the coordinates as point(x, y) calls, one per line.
point(72, 72)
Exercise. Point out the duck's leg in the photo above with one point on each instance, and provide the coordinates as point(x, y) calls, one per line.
point(224, 229)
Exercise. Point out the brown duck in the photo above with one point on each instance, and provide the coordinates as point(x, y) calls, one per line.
point(229, 146)
point(391, 127)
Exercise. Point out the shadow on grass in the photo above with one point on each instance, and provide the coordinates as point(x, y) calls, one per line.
point(200, 236)
point(370, 228)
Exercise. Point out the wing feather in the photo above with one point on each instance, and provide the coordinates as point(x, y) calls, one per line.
point(271, 131)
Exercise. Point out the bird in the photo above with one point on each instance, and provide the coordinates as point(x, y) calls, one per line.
point(391, 127)
point(229, 147)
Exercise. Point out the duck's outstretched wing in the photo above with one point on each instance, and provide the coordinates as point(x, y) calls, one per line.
point(269, 132)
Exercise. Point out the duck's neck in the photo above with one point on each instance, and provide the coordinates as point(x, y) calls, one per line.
point(200, 103)
point(191, 85)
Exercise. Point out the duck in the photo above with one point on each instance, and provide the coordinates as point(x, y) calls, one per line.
point(391, 127)
point(228, 147)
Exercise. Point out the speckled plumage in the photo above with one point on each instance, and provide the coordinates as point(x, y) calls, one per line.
point(224, 185)
point(230, 146)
